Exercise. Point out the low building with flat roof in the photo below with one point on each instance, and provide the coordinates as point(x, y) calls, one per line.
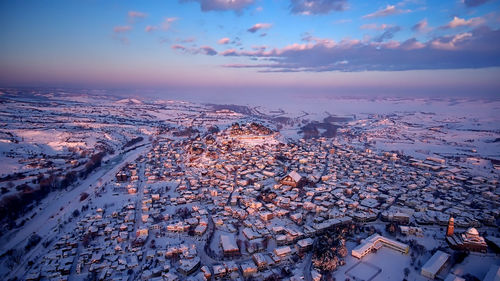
point(229, 246)
point(432, 267)
point(376, 241)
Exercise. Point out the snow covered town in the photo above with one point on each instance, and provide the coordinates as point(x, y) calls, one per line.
point(238, 201)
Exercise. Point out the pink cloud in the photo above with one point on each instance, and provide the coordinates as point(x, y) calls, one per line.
point(475, 49)
point(387, 11)
point(457, 22)
point(258, 26)
point(422, 26)
point(167, 23)
point(150, 28)
point(205, 50)
point(223, 41)
point(376, 26)
point(123, 28)
point(450, 42)
point(133, 15)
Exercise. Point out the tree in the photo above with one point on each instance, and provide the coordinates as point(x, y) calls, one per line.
point(407, 271)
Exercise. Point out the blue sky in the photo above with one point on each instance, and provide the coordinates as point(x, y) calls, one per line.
point(275, 45)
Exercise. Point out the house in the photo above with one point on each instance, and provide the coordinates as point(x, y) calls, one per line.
point(229, 246)
point(293, 179)
point(188, 266)
point(266, 216)
point(248, 269)
point(304, 245)
point(206, 272)
point(219, 270)
point(282, 251)
point(200, 229)
point(260, 260)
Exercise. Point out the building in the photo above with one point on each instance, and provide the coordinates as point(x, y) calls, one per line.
point(474, 242)
point(470, 240)
point(293, 179)
point(229, 246)
point(248, 269)
point(411, 230)
point(188, 266)
point(375, 242)
point(304, 245)
point(432, 267)
point(282, 251)
point(450, 229)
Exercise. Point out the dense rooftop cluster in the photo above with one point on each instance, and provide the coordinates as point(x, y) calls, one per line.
point(238, 203)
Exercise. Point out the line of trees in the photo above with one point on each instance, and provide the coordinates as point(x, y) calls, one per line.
point(13, 206)
point(132, 142)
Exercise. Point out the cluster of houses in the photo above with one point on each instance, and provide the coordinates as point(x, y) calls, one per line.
point(216, 206)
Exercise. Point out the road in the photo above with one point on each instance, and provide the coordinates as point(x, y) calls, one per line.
point(307, 267)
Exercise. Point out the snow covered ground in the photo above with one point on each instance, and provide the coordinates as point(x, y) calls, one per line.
point(43, 133)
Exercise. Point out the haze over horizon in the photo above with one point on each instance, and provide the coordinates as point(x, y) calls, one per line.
point(242, 47)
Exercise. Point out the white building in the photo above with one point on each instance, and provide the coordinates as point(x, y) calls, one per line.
point(376, 242)
point(434, 264)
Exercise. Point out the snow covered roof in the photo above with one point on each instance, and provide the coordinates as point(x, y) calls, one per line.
point(295, 176)
point(281, 251)
point(228, 243)
point(472, 231)
point(436, 262)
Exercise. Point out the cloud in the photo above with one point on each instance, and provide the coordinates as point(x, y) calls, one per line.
point(376, 26)
point(167, 23)
point(387, 11)
point(474, 3)
point(133, 15)
point(457, 22)
point(259, 26)
point(186, 40)
point(450, 42)
point(150, 28)
point(313, 7)
point(422, 26)
point(178, 47)
point(341, 21)
point(222, 5)
point(223, 41)
point(122, 28)
point(387, 34)
point(475, 49)
point(205, 50)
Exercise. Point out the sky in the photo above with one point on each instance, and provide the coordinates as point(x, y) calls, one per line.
point(243, 47)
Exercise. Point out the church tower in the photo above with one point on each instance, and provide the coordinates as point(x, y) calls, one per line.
point(450, 229)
